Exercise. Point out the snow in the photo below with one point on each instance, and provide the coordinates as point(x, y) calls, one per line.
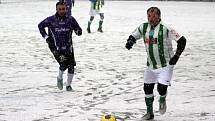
point(109, 78)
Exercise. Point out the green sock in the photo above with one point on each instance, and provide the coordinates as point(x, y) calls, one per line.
point(100, 24)
point(149, 104)
point(89, 23)
point(162, 99)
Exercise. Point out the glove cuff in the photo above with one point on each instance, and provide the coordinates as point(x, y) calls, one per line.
point(46, 37)
point(131, 39)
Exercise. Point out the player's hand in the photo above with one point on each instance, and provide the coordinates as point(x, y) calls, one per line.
point(131, 40)
point(78, 32)
point(173, 60)
point(129, 45)
point(49, 40)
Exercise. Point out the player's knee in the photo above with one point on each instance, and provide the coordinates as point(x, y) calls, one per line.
point(71, 69)
point(62, 67)
point(148, 88)
point(162, 89)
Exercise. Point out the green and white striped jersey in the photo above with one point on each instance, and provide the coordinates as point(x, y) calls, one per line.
point(97, 5)
point(158, 43)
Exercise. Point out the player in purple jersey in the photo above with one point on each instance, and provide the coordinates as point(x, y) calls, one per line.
point(59, 39)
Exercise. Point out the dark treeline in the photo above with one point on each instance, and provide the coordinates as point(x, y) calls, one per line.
point(167, 0)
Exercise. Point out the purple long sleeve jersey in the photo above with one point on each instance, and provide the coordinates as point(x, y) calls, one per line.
point(60, 28)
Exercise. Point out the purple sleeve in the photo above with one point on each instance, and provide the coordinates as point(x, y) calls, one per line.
point(42, 25)
point(75, 25)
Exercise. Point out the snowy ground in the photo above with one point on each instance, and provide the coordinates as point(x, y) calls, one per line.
point(108, 78)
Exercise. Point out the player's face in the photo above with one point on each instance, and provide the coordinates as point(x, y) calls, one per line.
point(153, 17)
point(61, 10)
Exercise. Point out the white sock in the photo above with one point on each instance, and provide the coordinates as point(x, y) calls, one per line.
point(69, 79)
point(60, 74)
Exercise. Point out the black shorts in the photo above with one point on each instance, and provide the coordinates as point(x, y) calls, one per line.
point(69, 55)
point(69, 61)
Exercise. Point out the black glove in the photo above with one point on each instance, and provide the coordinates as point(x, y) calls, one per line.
point(51, 44)
point(131, 40)
point(129, 45)
point(78, 32)
point(181, 43)
point(50, 40)
point(173, 60)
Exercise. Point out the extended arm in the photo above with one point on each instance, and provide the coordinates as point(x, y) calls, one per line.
point(137, 34)
point(181, 43)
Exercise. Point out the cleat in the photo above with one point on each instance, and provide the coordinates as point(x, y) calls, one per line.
point(100, 30)
point(68, 88)
point(148, 116)
point(162, 107)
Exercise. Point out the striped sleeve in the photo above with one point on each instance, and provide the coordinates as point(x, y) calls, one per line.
point(138, 32)
point(173, 34)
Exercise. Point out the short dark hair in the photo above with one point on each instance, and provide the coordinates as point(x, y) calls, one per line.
point(154, 8)
point(61, 0)
point(60, 3)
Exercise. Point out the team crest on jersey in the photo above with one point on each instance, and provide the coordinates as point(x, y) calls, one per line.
point(151, 41)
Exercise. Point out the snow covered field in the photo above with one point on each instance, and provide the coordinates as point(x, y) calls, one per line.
point(108, 78)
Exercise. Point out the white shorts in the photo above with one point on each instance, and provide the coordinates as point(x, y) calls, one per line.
point(94, 12)
point(161, 75)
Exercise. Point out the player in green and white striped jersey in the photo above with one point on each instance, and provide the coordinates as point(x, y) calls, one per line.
point(160, 57)
point(96, 8)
